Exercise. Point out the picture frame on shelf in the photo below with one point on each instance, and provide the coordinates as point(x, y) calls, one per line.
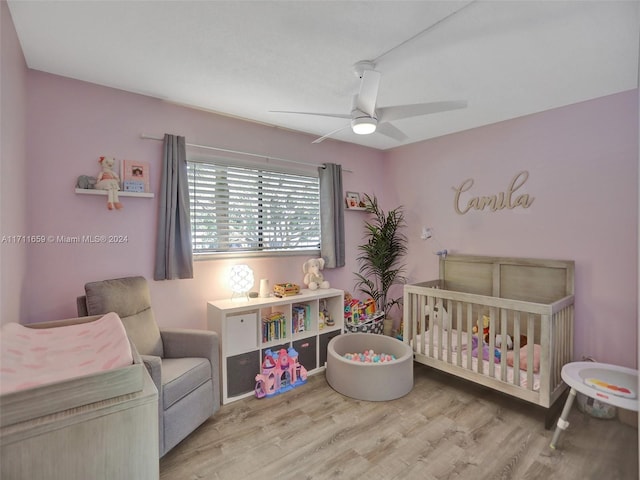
point(135, 176)
point(352, 199)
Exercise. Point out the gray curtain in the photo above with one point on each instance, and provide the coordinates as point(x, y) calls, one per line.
point(331, 215)
point(174, 257)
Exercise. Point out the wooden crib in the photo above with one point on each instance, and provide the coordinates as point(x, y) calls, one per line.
point(528, 300)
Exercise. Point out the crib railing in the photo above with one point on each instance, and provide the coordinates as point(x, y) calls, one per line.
point(548, 325)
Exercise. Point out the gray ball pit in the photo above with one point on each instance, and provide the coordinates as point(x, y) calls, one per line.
point(369, 381)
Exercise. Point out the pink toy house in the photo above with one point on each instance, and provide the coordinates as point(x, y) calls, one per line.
point(281, 372)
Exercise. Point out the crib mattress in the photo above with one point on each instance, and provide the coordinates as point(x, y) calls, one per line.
point(497, 372)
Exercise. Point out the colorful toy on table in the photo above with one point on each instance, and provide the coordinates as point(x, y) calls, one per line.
point(281, 372)
point(609, 388)
point(369, 307)
point(357, 312)
point(369, 356)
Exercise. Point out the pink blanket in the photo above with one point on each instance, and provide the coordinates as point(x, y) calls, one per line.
point(35, 356)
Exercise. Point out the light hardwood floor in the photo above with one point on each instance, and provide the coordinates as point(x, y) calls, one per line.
point(445, 428)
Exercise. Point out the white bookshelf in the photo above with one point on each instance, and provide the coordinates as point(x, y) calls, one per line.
point(242, 344)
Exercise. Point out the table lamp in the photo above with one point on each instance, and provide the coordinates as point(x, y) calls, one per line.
point(241, 280)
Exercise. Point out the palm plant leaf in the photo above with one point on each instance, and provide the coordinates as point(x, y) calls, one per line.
point(381, 256)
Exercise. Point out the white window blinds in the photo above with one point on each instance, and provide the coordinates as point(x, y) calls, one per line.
point(246, 209)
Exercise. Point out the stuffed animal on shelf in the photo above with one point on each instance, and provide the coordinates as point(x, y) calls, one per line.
point(86, 182)
point(108, 180)
point(313, 277)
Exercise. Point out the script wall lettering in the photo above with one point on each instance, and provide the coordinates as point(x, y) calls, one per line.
point(499, 201)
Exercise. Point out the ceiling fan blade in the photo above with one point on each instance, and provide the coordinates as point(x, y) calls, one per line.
point(388, 114)
point(366, 101)
point(331, 115)
point(389, 130)
point(324, 137)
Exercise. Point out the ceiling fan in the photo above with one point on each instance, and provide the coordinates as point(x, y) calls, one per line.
point(366, 117)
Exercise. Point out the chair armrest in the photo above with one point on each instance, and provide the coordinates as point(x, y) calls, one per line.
point(81, 306)
point(181, 342)
point(153, 365)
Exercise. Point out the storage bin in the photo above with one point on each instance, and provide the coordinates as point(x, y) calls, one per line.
point(375, 324)
point(306, 349)
point(241, 372)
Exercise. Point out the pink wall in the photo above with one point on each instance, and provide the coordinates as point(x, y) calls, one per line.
point(582, 160)
point(583, 166)
point(13, 169)
point(71, 123)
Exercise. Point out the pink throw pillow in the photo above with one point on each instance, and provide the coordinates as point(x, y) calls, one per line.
point(523, 358)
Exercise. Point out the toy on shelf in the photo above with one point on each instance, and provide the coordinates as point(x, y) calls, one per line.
point(362, 316)
point(325, 316)
point(285, 289)
point(281, 372)
point(108, 180)
point(313, 277)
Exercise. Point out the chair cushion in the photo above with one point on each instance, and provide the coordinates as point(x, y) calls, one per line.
point(181, 376)
point(130, 299)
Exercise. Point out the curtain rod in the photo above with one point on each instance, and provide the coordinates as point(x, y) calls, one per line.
point(268, 157)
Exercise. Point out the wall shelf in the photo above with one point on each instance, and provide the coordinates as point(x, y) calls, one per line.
point(357, 209)
point(91, 191)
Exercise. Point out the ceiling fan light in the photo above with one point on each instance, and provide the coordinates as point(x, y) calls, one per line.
point(364, 125)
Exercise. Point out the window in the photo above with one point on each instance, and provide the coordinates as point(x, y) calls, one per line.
point(250, 209)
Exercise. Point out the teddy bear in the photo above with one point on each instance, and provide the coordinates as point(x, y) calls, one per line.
point(313, 277)
point(108, 180)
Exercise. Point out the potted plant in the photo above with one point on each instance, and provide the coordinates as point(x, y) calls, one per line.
point(381, 257)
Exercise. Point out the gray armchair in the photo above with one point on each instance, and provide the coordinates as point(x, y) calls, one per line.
point(184, 364)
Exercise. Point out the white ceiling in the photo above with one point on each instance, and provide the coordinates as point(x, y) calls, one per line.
point(245, 58)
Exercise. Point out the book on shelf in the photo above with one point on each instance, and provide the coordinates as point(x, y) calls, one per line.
point(273, 327)
point(135, 176)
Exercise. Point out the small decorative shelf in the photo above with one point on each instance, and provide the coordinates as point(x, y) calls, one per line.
point(357, 209)
point(92, 191)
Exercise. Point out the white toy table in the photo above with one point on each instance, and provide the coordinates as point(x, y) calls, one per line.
point(611, 384)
